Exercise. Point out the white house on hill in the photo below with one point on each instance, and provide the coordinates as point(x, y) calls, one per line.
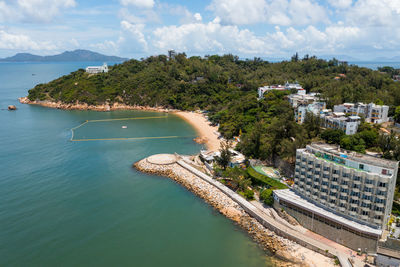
point(97, 69)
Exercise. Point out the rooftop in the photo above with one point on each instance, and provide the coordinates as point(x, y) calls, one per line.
point(333, 149)
point(295, 199)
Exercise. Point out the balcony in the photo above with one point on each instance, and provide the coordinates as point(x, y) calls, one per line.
point(383, 189)
point(342, 209)
point(346, 179)
point(323, 194)
point(354, 205)
point(356, 182)
point(377, 221)
point(315, 197)
point(324, 187)
point(366, 201)
point(325, 180)
point(356, 190)
point(344, 186)
point(380, 205)
point(364, 217)
point(379, 213)
point(332, 205)
point(308, 187)
point(326, 172)
point(334, 190)
point(353, 213)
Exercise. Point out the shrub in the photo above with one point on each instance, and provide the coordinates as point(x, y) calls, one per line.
point(267, 196)
point(249, 194)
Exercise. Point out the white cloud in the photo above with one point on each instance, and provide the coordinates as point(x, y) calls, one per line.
point(211, 37)
point(197, 17)
point(342, 4)
point(33, 10)
point(279, 12)
point(22, 42)
point(139, 3)
point(239, 11)
point(375, 13)
point(136, 31)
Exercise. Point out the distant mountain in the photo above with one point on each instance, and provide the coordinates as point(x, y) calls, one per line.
point(76, 55)
point(387, 59)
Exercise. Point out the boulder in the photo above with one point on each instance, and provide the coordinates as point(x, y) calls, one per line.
point(12, 107)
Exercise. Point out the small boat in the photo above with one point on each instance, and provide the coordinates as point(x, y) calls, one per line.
point(124, 127)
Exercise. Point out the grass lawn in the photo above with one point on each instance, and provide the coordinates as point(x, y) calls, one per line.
point(258, 178)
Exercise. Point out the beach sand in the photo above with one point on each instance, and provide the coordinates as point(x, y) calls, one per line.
point(203, 128)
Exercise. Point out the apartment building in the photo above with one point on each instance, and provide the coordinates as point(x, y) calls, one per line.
point(344, 196)
point(338, 120)
point(372, 113)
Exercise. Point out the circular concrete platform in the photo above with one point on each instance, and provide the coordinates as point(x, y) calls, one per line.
point(162, 159)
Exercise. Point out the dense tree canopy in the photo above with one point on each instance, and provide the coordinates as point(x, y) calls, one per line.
point(227, 88)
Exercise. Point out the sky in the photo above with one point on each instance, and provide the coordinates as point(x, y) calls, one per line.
point(362, 29)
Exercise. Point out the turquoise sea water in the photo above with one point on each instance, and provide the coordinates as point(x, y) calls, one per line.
point(66, 203)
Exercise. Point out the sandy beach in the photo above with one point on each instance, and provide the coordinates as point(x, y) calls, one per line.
point(207, 133)
point(204, 129)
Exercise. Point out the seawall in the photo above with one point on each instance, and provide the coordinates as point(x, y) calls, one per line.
point(229, 204)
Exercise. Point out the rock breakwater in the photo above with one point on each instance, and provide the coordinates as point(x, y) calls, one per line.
point(286, 252)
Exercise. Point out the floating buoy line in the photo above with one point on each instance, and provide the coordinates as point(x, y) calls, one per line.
point(124, 127)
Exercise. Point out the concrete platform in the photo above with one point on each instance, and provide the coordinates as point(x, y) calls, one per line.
point(162, 159)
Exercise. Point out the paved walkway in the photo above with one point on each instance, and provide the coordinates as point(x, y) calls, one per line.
point(316, 243)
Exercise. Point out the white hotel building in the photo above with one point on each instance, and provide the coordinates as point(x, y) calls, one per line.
point(344, 196)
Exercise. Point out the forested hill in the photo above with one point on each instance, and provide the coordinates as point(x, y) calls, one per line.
point(223, 85)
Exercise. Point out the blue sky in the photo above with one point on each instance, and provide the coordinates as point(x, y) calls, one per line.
point(363, 29)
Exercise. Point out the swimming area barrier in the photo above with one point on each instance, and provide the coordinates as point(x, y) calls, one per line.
point(120, 138)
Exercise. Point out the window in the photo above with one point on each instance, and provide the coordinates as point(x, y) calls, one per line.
point(355, 194)
point(365, 213)
point(384, 171)
point(335, 171)
point(317, 165)
point(379, 208)
point(344, 183)
point(354, 201)
point(357, 178)
point(344, 190)
point(368, 181)
point(366, 197)
point(380, 193)
point(357, 186)
point(316, 180)
point(382, 184)
point(327, 169)
point(361, 166)
point(368, 189)
point(353, 209)
point(310, 162)
point(334, 179)
point(365, 205)
point(378, 217)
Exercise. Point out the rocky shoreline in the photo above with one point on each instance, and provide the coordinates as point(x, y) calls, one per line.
point(85, 106)
point(285, 252)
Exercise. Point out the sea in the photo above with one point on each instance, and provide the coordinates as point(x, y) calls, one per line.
point(80, 203)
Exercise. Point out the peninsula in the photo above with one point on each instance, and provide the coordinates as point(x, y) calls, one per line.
point(270, 125)
point(67, 56)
